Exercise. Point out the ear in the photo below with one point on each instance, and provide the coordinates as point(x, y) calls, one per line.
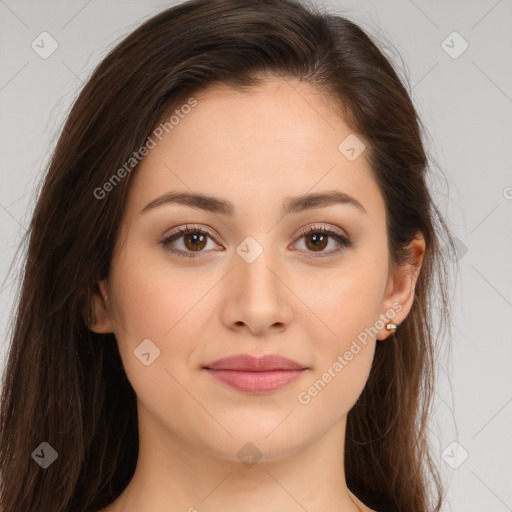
point(100, 318)
point(401, 285)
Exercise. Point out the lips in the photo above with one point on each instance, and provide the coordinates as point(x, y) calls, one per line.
point(246, 362)
point(249, 374)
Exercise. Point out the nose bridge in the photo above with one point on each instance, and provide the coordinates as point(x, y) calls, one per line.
point(256, 266)
point(257, 294)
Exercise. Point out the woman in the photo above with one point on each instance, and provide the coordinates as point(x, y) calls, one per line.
point(228, 292)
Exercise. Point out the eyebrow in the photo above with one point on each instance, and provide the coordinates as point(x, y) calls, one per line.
point(221, 206)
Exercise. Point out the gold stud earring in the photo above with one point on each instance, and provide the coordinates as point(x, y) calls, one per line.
point(391, 327)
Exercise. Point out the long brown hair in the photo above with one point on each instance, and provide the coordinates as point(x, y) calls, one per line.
point(65, 385)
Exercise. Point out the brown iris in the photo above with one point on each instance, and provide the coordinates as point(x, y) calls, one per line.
point(319, 243)
point(197, 241)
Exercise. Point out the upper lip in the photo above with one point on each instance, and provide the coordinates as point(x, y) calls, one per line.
point(246, 362)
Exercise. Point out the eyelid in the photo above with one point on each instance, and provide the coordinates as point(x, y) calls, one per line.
point(190, 227)
point(322, 227)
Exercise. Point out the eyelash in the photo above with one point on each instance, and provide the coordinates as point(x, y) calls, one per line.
point(343, 241)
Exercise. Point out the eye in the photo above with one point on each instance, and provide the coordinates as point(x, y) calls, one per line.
point(195, 239)
point(317, 239)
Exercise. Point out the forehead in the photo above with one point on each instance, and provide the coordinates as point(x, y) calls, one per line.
point(253, 148)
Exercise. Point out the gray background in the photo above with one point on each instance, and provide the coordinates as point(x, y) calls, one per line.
point(466, 105)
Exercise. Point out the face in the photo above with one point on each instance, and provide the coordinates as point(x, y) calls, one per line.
point(258, 273)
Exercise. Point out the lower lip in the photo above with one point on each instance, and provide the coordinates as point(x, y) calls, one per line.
point(256, 382)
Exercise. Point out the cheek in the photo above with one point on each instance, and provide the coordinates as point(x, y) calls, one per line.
point(344, 352)
point(344, 328)
point(335, 386)
point(347, 301)
point(159, 302)
point(154, 295)
point(165, 309)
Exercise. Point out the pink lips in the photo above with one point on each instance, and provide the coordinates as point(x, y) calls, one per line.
point(255, 375)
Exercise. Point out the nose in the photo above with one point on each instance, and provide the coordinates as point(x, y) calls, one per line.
point(257, 296)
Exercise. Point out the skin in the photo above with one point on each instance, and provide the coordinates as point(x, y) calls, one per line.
point(254, 149)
